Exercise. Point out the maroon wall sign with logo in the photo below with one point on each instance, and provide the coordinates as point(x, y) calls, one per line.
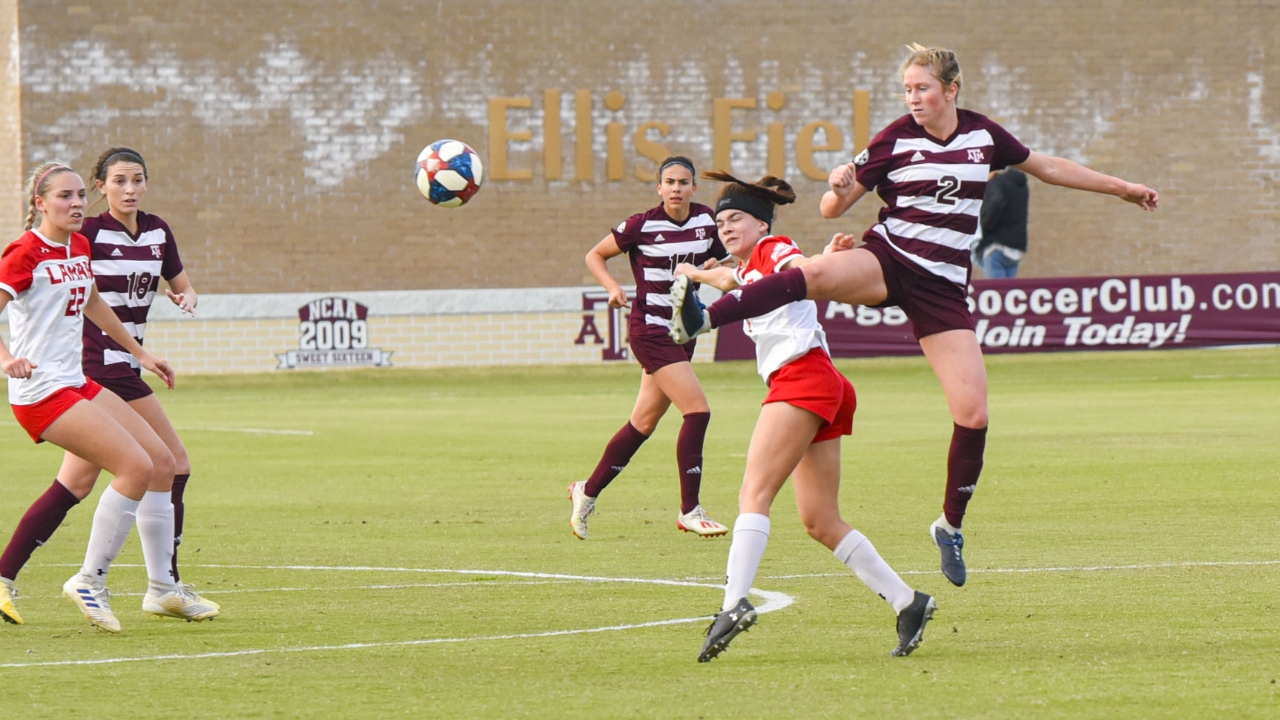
point(615, 346)
point(333, 332)
point(1087, 313)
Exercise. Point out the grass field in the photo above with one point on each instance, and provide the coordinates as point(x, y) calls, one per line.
point(399, 545)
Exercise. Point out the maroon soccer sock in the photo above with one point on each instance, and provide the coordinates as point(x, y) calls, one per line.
point(964, 465)
point(689, 457)
point(179, 487)
point(760, 297)
point(617, 454)
point(36, 527)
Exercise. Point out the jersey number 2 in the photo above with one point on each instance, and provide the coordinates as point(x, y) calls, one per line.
point(78, 297)
point(948, 186)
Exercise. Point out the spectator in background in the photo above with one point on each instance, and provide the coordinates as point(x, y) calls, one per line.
point(1004, 224)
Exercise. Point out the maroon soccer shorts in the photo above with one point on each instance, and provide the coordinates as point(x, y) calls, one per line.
point(129, 387)
point(655, 353)
point(933, 304)
point(37, 418)
point(811, 382)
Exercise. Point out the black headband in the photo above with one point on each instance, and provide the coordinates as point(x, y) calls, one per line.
point(127, 156)
point(669, 163)
point(756, 207)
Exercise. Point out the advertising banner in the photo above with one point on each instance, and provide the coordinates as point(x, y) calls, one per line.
point(1132, 312)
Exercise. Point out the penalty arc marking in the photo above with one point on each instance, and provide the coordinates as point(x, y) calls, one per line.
point(772, 601)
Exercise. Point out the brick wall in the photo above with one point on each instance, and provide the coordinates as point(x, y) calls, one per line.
point(281, 133)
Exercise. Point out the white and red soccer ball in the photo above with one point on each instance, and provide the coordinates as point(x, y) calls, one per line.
point(448, 173)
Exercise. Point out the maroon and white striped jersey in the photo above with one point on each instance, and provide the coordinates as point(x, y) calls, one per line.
point(656, 244)
point(933, 189)
point(49, 283)
point(128, 269)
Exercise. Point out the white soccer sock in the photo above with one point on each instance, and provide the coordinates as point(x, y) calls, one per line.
point(750, 537)
point(856, 551)
point(111, 522)
point(155, 529)
point(942, 523)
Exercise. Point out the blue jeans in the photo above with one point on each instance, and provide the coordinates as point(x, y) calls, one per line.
point(998, 265)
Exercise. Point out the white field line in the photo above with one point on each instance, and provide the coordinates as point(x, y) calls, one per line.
point(1065, 568)
point(772, 601)
point(251, 431)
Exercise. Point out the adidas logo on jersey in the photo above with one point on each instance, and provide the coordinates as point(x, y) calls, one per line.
point(917, 157)
point(116, 253)
point(659, 238)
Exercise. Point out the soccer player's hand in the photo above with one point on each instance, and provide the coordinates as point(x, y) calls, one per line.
point(618, 298)
point(160, 367)
point(186, 301)
point(19, 368)
point(842, 176)
point(1142, 196)
point(839, 241)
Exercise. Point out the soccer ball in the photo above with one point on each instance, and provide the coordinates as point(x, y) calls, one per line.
point(448, 173)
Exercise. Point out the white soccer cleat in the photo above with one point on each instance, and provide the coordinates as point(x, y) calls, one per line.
point(182, 602)
point(689, 318)
point(583, 506)
point(93, 599)
point(699, 523)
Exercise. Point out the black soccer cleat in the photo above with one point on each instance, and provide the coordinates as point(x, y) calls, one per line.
point(952, 557)
point(726, 627)
point(911, 622)
point(689, 318)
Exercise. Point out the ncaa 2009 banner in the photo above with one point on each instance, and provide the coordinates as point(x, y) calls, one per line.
point(1133, 312)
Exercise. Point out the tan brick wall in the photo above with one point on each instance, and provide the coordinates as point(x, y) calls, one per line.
point(11, 195)
point(281, 133)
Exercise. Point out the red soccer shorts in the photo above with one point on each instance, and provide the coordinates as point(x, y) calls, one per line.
point(811, 382)
point(37, 418)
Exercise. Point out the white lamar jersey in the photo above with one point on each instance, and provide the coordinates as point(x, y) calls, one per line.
point(49, 284)
point(792, 330)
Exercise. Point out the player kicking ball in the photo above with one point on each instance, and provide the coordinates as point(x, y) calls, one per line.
point(809, 407)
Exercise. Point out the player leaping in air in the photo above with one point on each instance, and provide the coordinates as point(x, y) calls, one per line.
point(930, 167)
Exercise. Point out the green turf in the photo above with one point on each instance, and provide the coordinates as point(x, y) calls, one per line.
point(1124, 553)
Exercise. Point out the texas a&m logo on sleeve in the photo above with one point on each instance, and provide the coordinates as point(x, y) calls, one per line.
point(333, 332)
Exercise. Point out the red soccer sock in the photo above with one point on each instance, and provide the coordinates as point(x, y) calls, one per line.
point(760, 297)
point(617, 454)
point(964, 465)
point(36, 527)
point(689, 458)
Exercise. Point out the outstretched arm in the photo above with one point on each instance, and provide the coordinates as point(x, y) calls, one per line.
point(720, 277)
point(1063, 172)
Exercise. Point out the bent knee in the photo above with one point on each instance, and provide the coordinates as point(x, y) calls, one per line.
point(162, 465)
point(972, 418)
